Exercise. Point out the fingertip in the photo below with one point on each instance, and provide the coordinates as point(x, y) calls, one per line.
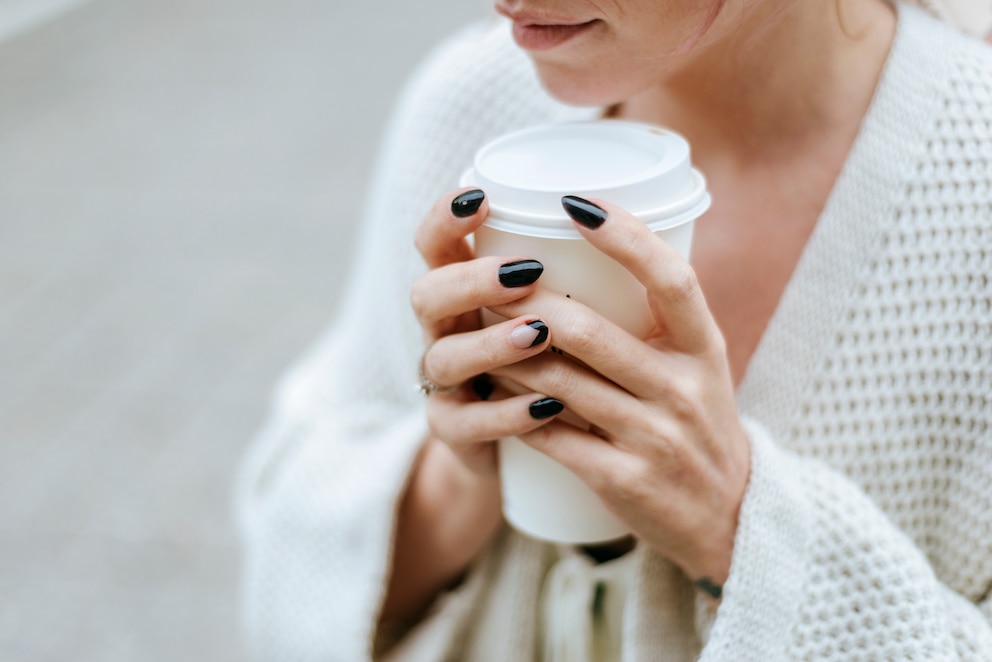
point(627, 236)
point(545, 408)
point(530, 334)
point(467, 203)
point(584, 212)
point(520, 273)
point(542, 332)
point(441, 236)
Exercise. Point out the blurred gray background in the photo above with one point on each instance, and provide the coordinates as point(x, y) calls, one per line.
point(178, 193)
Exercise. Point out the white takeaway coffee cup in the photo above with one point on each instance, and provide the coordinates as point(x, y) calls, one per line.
point(644, 169)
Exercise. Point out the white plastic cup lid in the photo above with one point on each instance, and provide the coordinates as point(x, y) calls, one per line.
point(645, 169)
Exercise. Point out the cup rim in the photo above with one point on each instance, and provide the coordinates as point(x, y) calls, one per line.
point(678, 212)
point(671, 147)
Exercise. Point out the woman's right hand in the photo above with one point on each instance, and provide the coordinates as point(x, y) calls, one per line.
point(447, 301)
point(451, 509)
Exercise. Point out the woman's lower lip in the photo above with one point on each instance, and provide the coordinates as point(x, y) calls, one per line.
point(546, 37)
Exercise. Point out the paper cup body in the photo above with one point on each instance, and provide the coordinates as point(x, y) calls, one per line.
point(641, 168)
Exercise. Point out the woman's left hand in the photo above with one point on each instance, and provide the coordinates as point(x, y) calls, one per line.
point(666, 451)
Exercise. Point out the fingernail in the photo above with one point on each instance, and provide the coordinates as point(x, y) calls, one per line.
point(584, 212)
point(483, 387)
point(545, 408)
point(467, 203)
point(529, 335)
point(518, 274)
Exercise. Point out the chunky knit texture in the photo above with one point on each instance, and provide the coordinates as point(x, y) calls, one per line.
point(866, 529)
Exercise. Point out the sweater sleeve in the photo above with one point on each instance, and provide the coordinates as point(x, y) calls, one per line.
point(820, 573)
point(319, 487)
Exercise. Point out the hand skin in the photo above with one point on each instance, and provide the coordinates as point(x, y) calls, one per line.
point(666, 451)
point(451, 509)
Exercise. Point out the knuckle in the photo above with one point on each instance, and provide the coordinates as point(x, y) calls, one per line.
point(639, 250)
point(559, 378)
point(437, 423)
point(478, 282)
point(587, 334)
point(662, 390)
point(685, 403)
point(718, 344)
point(683, 286)
point(629, 484)
point(419, 300)
point(491, 352)
point(465, 430)
point(437, 367)
point(604, 482)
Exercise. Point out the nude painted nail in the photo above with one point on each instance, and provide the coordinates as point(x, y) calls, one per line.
point(529, 335)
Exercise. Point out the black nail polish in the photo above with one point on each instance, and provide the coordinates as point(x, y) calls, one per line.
point(545, 408)
point(483, 387)
point(467, 203)
point(542, 332)
point(518, 274)
point(584, 212)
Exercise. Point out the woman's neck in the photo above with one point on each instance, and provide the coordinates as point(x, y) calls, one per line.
point(775, 81)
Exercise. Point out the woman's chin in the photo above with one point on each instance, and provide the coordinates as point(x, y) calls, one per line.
point(578, 90)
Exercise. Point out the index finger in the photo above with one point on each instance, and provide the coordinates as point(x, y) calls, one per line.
point(441, 235)
point(674, 294)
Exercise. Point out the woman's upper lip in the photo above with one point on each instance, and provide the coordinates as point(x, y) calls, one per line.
point(537, 18)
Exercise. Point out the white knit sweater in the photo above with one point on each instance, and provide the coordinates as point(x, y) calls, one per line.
point(866, 528)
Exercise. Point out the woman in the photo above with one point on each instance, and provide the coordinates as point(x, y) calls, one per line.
point(802, 449)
